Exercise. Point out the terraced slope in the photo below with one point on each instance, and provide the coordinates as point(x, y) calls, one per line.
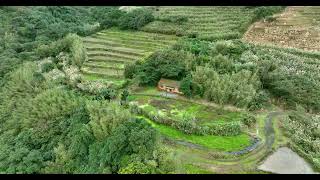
point(110, 50)
point(296, 27)
point(208, 22)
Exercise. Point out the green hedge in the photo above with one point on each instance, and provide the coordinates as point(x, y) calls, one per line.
point(190, 127)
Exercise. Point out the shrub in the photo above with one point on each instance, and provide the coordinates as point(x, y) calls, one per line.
point(265, 11)
point(179, 33)
point(136, 19)
point(193, 35)
point(107, 16)
point(38, 77)
point(165, 63)
point(233, 49)
point(178, 19)
point(236, 88)
point(129, 70)
point(222, 64)
point(187, 123)
point(225, 129)
point(186, 85)
point(77, 50)
point(47, 66)
point(106, 94)
point(301, 129)
point(261, 99)
point(248, 120)
point(270, 18)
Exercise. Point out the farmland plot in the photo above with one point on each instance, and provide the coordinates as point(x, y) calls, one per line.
point(208, 22)
point(110, 50)
point(296, 27)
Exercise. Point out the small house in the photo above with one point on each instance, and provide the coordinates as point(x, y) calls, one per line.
point(169, 85)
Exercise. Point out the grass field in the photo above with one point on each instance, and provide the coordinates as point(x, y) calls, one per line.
point(296, 27)
point(110, 50)
point(208, 22)
point(219, 143)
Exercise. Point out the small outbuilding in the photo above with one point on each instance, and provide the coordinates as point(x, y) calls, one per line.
point(169, 85)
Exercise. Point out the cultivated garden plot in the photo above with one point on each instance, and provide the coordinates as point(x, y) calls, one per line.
point(110, 50)
point(206, 22)
point(168, 115)
point(296, 27)
point(174, 108)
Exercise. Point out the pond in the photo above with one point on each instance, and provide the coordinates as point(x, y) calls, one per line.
point(285, 161)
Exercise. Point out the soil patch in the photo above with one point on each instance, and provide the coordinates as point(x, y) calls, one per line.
point(296, 27)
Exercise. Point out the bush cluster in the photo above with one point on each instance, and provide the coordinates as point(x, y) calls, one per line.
point(189, 125)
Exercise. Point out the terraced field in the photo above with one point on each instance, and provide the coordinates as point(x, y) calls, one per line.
point(110, 50)
point(208, 22)
point(296, 27)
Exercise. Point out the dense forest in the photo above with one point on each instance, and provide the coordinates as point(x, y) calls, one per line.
point(47, 126)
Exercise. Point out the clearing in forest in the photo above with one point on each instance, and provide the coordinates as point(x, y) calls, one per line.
point(110, 50)
point(178, 110)
point(208, 22)
point(296, 27)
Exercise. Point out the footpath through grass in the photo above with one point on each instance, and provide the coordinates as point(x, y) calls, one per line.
point(219, 143)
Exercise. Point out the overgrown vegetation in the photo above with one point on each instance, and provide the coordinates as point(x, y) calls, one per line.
point(208, 23)
point(304, 131)
point(190, 118)
point(266, 12)
point(52, 121)
point(233, 72)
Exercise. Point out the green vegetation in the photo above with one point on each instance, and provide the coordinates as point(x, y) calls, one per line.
point(53, 121)
point(136, 19)
point(191, 118)
point(242, 74)
point(111, 51)
point(166, 63)
point(209, 23)
point(219, 143)
point(303, 130)
point(78, 95)
point(191, 169)
point(53, 128)
point(266, 12)
point(174, 108)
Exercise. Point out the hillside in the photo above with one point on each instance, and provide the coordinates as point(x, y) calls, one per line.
point(296, 27)
point(159, 90)
point(110, 50)
point(206, 22)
